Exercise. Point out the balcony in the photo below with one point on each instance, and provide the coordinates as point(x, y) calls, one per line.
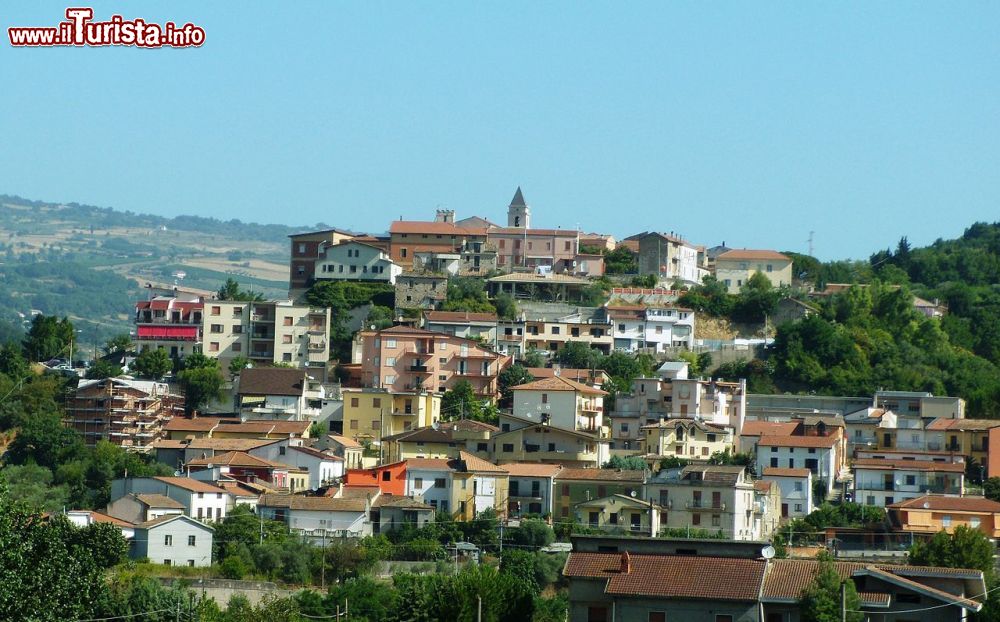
point(261, 354)
point(704, 506)
point(317, 346)
point(420, 369)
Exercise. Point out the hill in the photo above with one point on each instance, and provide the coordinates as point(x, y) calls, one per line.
point(90, 263)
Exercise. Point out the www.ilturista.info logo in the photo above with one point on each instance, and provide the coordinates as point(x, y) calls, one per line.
point(79, 29)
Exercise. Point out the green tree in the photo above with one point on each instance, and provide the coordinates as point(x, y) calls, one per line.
point(121, 342)
point(47, 338)
point(631, 463)
point(201, 380)
point(12, 363)
point(991, 488)
point(43, 440)
point(380, 317)
point(467, 293)
point(621, 261)
point(533, 358)
point(461, 402)
point(511, 377)
point(673, 462)
point(230, 290)
point(32, 485)
point(237, 365)
point(153, 364)
point(821, 601)
point(506, 306)
point(966, 547)
point(578, 355)
point(103, 369)
point(533, 533)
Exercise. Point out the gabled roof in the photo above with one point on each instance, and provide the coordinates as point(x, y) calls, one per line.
point(100, 517)
point(429, 464)
point(768, 428)
point(239, 459)
point(343, 441)
point(401, 503)
point(532, 469)
point(475, 463)
point(311, 233)
point(671, 576)
point(315, 453)
point(616, 499)
point(189, 484)
point(459, 316)
point(169, 518)
point(198, 424)
point(558, 383)
point(741, 254)
point(264, 426)
point(432, 228)
point(467, 425)
point(785, 472)
point(579, 375)
point(920, 588)
point(313, 504)
point(948, 504)
point(601, 475)
point(426, 434)
point(158, 501)
point(272, 381)
point(963, 424)
point(798, 441)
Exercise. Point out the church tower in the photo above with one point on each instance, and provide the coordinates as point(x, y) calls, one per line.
point(518, 214)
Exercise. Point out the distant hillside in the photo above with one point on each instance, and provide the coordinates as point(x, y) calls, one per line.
point(90, 263)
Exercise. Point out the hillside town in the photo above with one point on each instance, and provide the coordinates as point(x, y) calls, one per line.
point(460, 374)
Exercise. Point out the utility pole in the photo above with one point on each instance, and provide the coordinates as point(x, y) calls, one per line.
point(479, 609)
point(843, 601)
point(322, 571)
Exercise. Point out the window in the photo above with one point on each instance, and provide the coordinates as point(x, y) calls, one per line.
point(798, 486)
point(597, 614)
point(216, 328)
point(774, 450)
point(191, 563)
point(624, 427)
point(545, 398)
point(508, 447)
point(191, 540)
point(439, 482)
point(237, 329)
point(974, 522)
point(945, 521)
point(621, 327)
point(287, 357)
point(354, 402)
point(213, 346)
point(375, 424)
point(376, 402)
point(402, 253)
point(774, 462)
point(696, 519)
point(798, 507)
point(168, 540)
point(716, 520)
point(418, 482)
point(216, 310)
point(390, 379)
point(482, 446)
point(354, 424)
point(166, 562)
point(386, 476)
point(555, 330)
point(286, 321)
point(286, 339)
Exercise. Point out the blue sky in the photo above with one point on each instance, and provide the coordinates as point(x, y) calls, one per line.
point(752, 123)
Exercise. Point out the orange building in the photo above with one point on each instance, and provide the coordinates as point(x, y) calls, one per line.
point(934, 513)
point(401, 359)
point(389, 478)
point(408, 237)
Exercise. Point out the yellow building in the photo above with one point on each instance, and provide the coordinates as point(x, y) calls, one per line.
point(685, 438)
point(372, 414)
point(420, 443)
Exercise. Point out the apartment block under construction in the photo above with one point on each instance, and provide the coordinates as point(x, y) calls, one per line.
point(129, 413)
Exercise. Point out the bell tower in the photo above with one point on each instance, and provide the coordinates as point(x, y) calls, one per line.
point(518, 213)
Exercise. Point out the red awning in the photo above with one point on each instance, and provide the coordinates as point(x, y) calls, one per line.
point(179, 333)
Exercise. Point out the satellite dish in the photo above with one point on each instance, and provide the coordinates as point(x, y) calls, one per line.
point(767, 552)
point(178, 473)
point(632, 494)
point(927, 505)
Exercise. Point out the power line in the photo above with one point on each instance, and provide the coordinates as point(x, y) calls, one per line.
point(123, 617)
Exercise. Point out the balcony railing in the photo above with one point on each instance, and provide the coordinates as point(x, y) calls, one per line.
point(702, 505)
point(418, 368)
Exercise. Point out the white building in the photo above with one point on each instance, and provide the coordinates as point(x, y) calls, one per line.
point(324, 468)
point(201, 500)
point(796, 490)
point(818, 454)
point(279, 393)
point(531, 488)
point(561, 403)
point(174, 540)
point(883, 481)
point(319, 518)
point(431, 480)
point(656, 328)
point(356, 261)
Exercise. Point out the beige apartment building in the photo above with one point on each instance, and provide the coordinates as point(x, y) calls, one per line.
point(734, 268)
point(264, 332)
point(403, 359)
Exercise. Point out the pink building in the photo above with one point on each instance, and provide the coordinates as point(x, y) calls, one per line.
point(402, 359)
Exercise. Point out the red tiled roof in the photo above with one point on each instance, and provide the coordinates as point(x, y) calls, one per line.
point(531, 469)
point(459, 316)
point(601, 475)
point(436, 228)
point(343, 441)
point(272, 381)
point(563, 233)
point(908, 465)
point(963, 424)
point(192, 485)
point(475, 463)
point(579, 375)
point(429, 464)
point(769, 428)
point(238, 458)
point(182, 424)
point(798, 441)
point(949, 504)
point(666, 576)
point(784, 472)
point(263, 426)
point(558, 383)
point(738, 254)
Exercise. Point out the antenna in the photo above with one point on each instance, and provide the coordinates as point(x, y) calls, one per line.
point(811, 243)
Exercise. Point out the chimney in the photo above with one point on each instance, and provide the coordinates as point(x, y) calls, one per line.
point(626, 563)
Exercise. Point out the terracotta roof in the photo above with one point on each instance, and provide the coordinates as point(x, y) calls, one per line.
point(401, 502)
point(166, 518)
point(785, 472)
point(238, 458)
point(344, 441)
point(458, 316)
point(315, 453)
point(579, 375)
point(953, 504)
point(666, 576)
point(557, 383)
point(356, 491)
point(874, 599)
point(762, 485)
point(531, 277)
point(798, 441)
point(183, 424)
point(426, 434)
point(726, 475)
point(530, 469)
point(963, 424)
point(909, 465)
point(272, 381)
point(739, 254)
point(520, 231)
point(769, 428)
point(189, 484)
point(605, 475)
point(429, 227)
point(314, 504)
point(475, 463)
point(263, 426)
point(916, 586)
point(429, 464)
point(227, 444)
point(786, 578)
point(159, 501)
point(467, 425)
point(237, 489)
point(99, 517)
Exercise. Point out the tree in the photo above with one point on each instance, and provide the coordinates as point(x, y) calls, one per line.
point(45, 441)
point(380, 317)
point(673, 462)
point(461, 402)
point(505, 306)
point(153, 364)
point(991, 488)
point(121, 342)
point(821, 601)
point(32, 485)
point(231, 291)
point(631, 463)
point(47, 338)
point(511, 377)
point(12, 363)
point(621, 261)
point(467, 293)
point(533, 533)
point(103, 369)
point(237, 365)
point(201, 380)
point(966, 547)
point(578, 355)
point(533, 358)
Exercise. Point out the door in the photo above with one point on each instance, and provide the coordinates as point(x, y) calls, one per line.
point(594, 518)
point(784, 510)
